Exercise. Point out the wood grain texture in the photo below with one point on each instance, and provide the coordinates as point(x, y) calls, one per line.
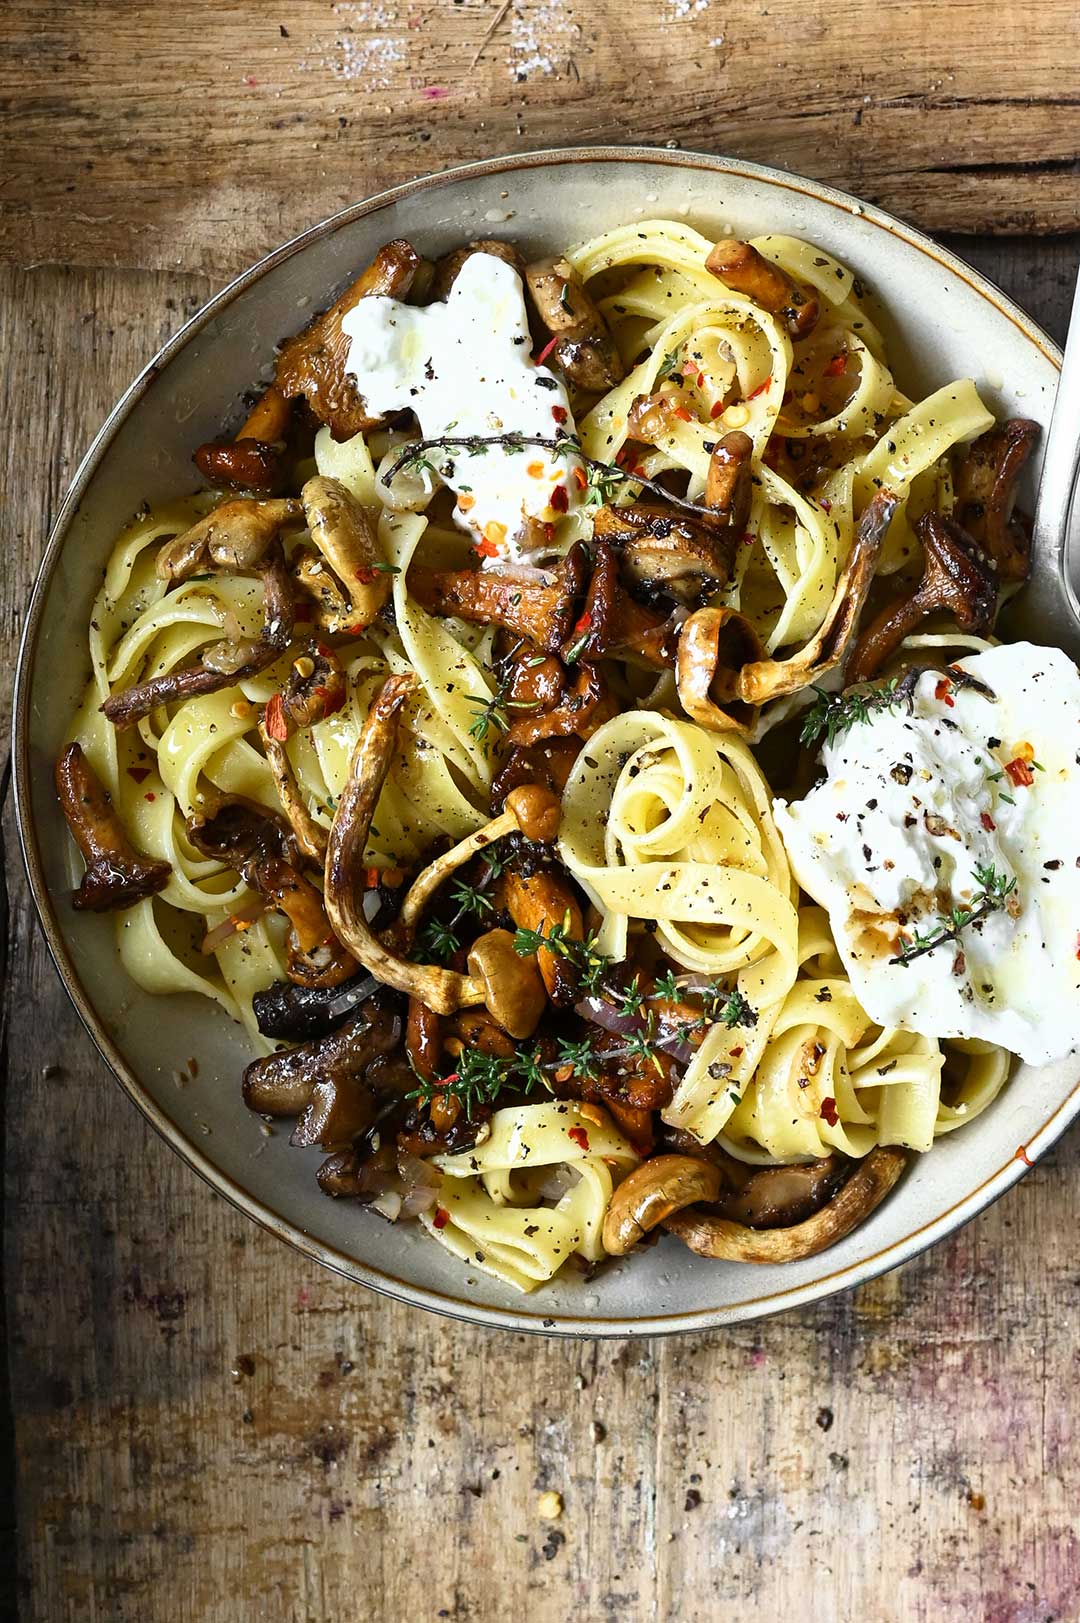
point(202, 135)
point(207, 1427)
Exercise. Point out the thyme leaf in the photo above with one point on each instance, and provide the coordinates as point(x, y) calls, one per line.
point(993, 894)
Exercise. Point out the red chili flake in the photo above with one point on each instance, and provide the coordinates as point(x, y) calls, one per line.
point(1078, 943)
point(441, 1218)
point(540, 359)
point(716, 408)
point(943, 690)
point(274, 719)
point(682, 414)
point(579, 1136)
point(829, 1111)
point(987, 822)
point(826, 507)
point(762, 388)
point(366, 575)
point(560, 499)
point(1020, 773)
point(836, 366)
point(334, 702)
point(1022, 1155)
point(150, 795)
point(736, 1053)
point(581, 478)
point(583, 624)
point(486, 548)
point(371, 878)
point(357, 630)
point(621, 456)
point(639, 470)
point(139, 773)
point(559, 413)
point(747, 539)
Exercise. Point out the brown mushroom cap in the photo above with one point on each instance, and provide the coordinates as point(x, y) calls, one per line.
point(338, 1110)
point(584, 349)
point(985, 490)
point(513, 989)
point(739, 266)
point(651, 1193)
point(281, 1084)
point(713, 1236)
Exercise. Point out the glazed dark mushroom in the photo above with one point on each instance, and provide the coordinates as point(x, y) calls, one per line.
point(781, 1196)
point(423, 1039)
point(448, 268)
point(613, 625)
point(338, 1110)
point(313, 363)
point(985, 489)
point(712, 688)
point(584, 350)
point(729, 483)
point(741, 268)
point(343, 532)
point(538, 604)
point(583, 706)
point(475, 1029)
point(281, 1084)
point(254, 459)
point(298, 1013)
point(548, 763)
point(714, 1236)
point(225, 664)
point(538, 901)
point(116, 874)
point(959, 579)
point(651, 1193)
point(444, 990)
point(238, 831)
point(341, 1175)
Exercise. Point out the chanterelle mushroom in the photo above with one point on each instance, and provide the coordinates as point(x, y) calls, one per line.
point(740, 267)
point(344, 534)
point(651, 1193)
point(315, 688)
point(253, 459)
point(116, 874)
point(313, 363)
point(959, 579)
point(584, 349)
point(985, 489)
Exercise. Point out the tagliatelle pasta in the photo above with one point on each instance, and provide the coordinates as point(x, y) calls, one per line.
point(399, 748)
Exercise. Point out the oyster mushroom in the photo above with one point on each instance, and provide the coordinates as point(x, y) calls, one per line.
point(985, 489)
point(713, 689)
point(344, 534)
point(651, 1193)
point(740, 267)
point(226, 663)
point(313, 363)
point(444, 990)
point(116, 874)
point(959, 579)
point(584, 350)
point(714, 1236)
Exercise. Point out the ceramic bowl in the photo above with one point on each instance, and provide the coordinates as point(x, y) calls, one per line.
point(942, 320)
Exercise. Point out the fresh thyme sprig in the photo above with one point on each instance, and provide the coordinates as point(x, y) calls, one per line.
point(834, 713)
point(603, 476)
point(479, 1079)
point(438, 941)
point(993, 894)
point(495, 711)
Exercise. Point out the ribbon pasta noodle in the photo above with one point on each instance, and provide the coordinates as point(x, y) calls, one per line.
point(513, 888)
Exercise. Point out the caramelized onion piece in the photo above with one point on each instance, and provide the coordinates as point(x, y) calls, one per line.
point(116, 874)
point(712, 1236)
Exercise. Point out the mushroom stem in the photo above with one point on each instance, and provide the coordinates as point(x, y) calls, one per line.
point(116, 874)
point(233, 538)
point(712, 1236)
point(345, 536)
point(443, 990)
point(652, 1193)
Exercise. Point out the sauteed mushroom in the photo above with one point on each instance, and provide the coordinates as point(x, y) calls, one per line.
point(448, 268)
point(513, 989)
point(548, 763)
point(583, 707)
point(713, 1236)
point(711, 688)
point(116, 874)
point(345, 536)
point(443, 990)
point(650, 1194)
point(958, 578)
point(779, 1197)
point(423, 1039)
point(584, 349)
point(741, 268)
point(537, 901)
point(985, 488)
point(286, 1010)
point(253, 460)
point(225, 664)
point(315, 688)
point(613, 624)
point(659, 547)
point(233, 538)
point(313, 363)
point(281, 1084)
point(338, 1110)
point(535, 603)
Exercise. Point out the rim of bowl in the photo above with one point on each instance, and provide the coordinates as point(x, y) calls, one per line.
point(448, 1303)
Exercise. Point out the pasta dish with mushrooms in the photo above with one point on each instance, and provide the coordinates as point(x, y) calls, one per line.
point(568, 733)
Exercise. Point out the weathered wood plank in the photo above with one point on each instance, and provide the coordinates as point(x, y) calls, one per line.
point(209, 1428)
point(208, 134)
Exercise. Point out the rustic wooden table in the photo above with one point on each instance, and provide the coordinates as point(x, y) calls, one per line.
point(207, 1429)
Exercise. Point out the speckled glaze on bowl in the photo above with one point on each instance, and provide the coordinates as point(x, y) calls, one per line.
point(941, 319)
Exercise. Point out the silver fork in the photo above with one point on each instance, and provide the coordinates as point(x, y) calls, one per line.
point(1049, 606)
